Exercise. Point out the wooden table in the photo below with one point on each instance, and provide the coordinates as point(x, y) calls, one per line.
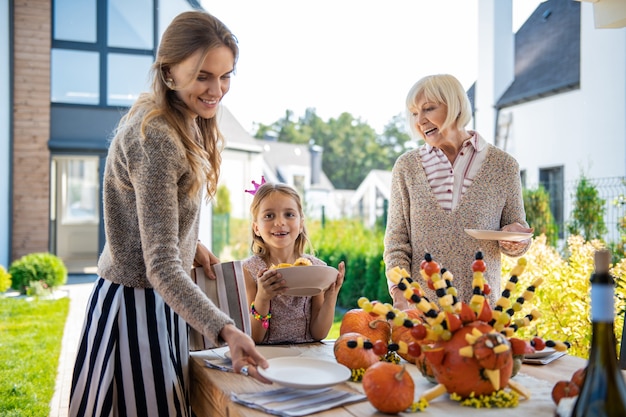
point(211, 389)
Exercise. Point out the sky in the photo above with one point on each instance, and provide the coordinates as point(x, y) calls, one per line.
point(355, 56)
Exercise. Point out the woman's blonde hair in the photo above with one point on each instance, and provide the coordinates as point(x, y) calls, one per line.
point(187, 34)
point(258, 245)
point(440, 89)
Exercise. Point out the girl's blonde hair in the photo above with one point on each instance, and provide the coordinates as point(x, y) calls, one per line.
point(258, 245)
point(187, 34)
point(440, 89)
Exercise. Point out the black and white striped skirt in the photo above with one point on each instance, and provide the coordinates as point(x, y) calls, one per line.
point(132, 358)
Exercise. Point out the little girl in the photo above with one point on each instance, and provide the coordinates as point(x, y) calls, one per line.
point(279, 236)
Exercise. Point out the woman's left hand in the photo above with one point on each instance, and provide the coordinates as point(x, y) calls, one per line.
point(205, 258)
point(512, 246)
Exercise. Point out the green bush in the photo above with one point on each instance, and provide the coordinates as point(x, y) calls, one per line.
point(588, 214)
point(37, 272)
point(538, 214)
point(362, 251)
point(563, 296)
point(5, 279)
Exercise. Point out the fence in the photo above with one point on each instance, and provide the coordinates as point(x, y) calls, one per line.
point(612, 190)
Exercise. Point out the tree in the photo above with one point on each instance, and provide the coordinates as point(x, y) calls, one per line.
point(221, 220)
point(588, 213)
point(351, 147)
point(222, 201)
point(538, 214)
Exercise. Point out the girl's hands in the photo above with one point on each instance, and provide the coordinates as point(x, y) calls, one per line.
point(270, 284)
point(336, 286)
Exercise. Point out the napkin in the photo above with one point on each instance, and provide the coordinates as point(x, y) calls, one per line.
point(289, 402)
point(545, 360)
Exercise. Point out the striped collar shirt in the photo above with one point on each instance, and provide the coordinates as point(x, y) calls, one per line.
point(450, 181)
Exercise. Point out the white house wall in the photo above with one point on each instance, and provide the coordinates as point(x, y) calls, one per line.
point(582, 129)
point(238, 171)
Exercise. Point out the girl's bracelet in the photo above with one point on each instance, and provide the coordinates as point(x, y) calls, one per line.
point(265, 320)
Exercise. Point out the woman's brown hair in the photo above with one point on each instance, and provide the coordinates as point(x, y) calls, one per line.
point(187, 34)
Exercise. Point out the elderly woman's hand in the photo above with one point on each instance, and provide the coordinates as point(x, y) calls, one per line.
point(511, 246)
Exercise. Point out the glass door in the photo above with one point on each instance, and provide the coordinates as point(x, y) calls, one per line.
point(75, 211)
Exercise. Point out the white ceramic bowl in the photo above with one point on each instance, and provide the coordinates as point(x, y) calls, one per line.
point(304, 281)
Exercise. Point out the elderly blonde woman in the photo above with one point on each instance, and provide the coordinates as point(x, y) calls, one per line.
point(455, 181)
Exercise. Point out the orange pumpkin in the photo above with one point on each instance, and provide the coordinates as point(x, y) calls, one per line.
point(369, 325)
point(354, 357)
point(389, 387)
point(403, 334)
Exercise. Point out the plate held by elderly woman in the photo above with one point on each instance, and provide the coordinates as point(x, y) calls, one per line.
point(305, 281)
point(498, 235)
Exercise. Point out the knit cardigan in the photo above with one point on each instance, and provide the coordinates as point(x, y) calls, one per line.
point(151, 222)
point(417, 224)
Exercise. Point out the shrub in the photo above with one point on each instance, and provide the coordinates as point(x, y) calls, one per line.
point(538, 214)
point(563, 297)
point(37, 272)
point(5, 279)
point(588, 214)
point(362, 251)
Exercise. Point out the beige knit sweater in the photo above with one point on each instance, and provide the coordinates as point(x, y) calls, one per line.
point(417, 224)
point(151, 222)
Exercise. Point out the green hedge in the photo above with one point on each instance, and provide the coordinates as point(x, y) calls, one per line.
point(362, 251)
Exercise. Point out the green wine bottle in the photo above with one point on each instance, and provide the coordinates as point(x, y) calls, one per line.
point(603, 392)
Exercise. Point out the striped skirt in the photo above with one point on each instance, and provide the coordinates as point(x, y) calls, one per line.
point(132, 358)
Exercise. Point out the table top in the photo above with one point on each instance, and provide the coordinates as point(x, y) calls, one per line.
point(211, 388)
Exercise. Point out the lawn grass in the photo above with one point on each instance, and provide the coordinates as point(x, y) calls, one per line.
point(30, 343)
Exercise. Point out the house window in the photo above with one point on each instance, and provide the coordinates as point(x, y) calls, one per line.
point(298, 183)
point(552, 180)
point(129, 24)
point(75, 20)
point(79, 190)
point(101, 51)
point(74, 76)
point(127, 78)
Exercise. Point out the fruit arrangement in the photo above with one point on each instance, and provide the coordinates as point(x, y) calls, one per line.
point(298, 262)
point(467, 349)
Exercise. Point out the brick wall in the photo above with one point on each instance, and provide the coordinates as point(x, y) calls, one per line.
point(31, 127)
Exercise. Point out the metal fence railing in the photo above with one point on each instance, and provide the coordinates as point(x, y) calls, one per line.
point(612, 190)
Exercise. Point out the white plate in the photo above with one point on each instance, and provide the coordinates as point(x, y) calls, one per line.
point(305, 373)
point(497, 235)
point(540, 353)
point(304, 281)
point(270, 352)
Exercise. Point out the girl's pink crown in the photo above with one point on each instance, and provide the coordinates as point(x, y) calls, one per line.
point(256, 186)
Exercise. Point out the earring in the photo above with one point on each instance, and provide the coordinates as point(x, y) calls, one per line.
point(170, 83)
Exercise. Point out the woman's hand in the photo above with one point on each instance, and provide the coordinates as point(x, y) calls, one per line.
point(399, 300)
point(270, 283)
point(205, 258)
point(511, 246)
point(245, 357)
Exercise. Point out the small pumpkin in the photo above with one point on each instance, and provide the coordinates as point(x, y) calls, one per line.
point(369, 325)
point(389, 387)
point(354, 357)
